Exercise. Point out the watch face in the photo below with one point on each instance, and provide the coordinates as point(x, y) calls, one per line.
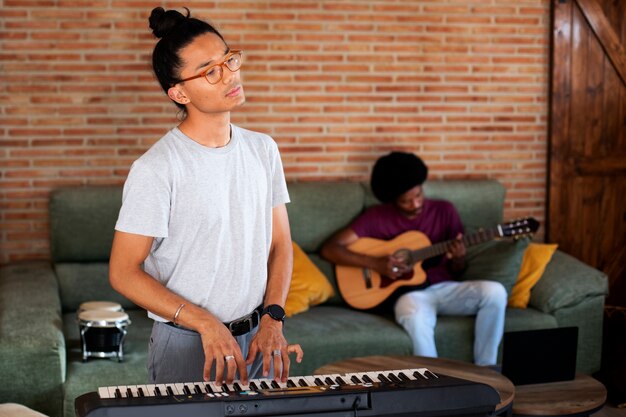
point(276, 312)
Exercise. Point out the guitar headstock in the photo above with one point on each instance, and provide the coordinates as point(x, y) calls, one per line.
point(518, 228)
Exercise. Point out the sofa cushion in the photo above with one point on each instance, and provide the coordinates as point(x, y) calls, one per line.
point(567, 282)
point(80, 282)
point(535, 260)
point(82, 221)
point(32, 348)
point(496, 261)
point(308, 286)
point(330, 334)
point(317, 210)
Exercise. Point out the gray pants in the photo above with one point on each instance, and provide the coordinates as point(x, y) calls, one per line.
point(176, 355)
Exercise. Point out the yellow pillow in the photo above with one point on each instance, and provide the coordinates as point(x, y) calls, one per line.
point(308, 287)
point(535, 260)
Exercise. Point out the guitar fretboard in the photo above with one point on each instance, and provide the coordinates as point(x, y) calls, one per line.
point(442, 247)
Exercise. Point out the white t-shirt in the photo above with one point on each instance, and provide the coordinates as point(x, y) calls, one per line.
point(210, 211)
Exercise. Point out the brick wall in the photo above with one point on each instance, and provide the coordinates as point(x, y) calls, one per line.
point(337, 83)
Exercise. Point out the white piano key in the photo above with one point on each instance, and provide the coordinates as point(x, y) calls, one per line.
point(419, 371)
point(215, 387)
point(282, 384)
point(174, 388)
point(124, 390)
point(267, 381)
point(112, 392)
point(180, 387)
point(133, 390)
point(191, 386)
point(163, 389)
point(145, 390)
point(103, 392)
point(371, 375)
point(149, 391)
point(348, 377)
point(335, 376)
point(311, 380)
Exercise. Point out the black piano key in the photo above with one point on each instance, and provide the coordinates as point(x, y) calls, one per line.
point(129, 393)
point(302, 382)
point(264, 385)
point(355, 379)
point(383, 378)
point(237, 387)
point(393, 378)
point(290, 384)
point(403, 376)
point(418, 375)
point(366, 378)
point(254, 386)
point(140, 392)
point(329, 381)
point(340, 381)
point(318, 382)
point(197, 389)
point(157, 392)
point(169, 390)
point(209, 390)
point(118, 393)
point(186, 390)
point(430, 374)
point(225, 388)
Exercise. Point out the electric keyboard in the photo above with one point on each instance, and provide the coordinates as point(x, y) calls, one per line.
point(404, 392)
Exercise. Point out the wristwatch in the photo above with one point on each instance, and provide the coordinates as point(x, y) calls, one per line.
point(275, 311)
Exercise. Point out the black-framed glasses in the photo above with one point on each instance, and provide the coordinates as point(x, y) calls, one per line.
point(214, 73)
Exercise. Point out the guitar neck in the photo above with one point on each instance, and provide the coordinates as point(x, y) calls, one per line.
point(442, 247)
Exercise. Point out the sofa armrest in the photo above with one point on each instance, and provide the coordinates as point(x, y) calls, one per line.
point(567, 282)
point(32, 346)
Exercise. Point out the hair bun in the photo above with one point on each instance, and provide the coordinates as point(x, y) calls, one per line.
point(161, 21)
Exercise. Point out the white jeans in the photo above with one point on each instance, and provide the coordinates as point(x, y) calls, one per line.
point(417, 312)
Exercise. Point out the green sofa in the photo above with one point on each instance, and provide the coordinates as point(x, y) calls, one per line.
point(41, 363)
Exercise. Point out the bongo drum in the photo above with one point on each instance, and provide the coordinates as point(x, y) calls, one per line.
point(102, 333)
point(100, 305)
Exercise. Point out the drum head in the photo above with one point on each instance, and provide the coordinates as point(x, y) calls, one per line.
point(100, 305)
point(103, 318)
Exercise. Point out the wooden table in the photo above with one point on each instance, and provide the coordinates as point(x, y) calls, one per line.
point(449, 367)
point(581, 397)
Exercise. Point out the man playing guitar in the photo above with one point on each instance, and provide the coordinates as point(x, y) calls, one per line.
point(396, 181)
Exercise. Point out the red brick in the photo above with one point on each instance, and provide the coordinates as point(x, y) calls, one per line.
point(335, 83)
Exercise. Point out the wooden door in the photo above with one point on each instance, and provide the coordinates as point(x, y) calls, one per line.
point(587, 167)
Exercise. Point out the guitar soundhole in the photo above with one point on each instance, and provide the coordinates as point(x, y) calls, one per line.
point(385, 281)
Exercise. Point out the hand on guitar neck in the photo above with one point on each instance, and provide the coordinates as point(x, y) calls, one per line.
point(456, 254)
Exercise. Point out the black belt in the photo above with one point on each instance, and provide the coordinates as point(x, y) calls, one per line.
point(240, 326)
point(246, 323)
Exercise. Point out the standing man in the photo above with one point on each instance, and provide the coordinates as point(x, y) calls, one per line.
point(202, 240)
point(396, 181)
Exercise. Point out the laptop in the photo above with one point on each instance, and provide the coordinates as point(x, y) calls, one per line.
point(538, 356)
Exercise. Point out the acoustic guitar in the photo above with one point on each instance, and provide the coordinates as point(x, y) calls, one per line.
point(364, 288)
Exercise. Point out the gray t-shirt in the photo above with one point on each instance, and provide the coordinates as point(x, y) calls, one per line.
point(210, 212)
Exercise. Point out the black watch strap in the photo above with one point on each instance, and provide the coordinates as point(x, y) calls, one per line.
point(274, 311)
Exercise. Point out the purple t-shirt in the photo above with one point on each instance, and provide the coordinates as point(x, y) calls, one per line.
point(438, 220)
